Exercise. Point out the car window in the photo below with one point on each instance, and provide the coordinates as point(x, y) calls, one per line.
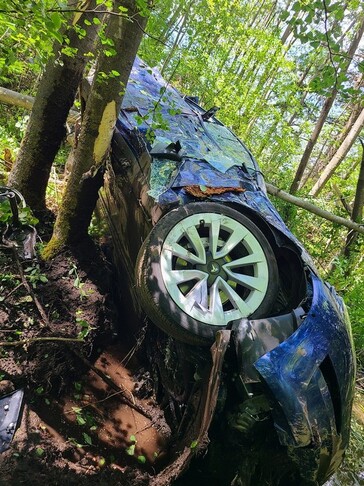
point(229, 144)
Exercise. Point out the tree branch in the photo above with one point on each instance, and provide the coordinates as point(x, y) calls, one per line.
point(14, 98)
point(275, 191)
point(23, 342)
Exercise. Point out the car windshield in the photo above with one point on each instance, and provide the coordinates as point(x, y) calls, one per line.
point(229, 144)
point(152, 104)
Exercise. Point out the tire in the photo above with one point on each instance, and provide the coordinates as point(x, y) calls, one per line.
point(202, 266)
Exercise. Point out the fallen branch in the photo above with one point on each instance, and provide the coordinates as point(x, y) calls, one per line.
point(29, 289)
point(275, 191)
point(14, 98)
point(27, 341)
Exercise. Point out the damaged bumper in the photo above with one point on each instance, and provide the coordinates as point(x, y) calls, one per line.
point(310, 378)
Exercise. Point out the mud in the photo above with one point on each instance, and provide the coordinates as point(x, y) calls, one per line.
point(85, 420)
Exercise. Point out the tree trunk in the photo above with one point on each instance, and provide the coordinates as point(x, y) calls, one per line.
point(46, 127)
point(101, 112)
point(14, 98)
point(179, 36)
point(357, 213)
point(324, 113)
point(320, 163)
point(339, 156)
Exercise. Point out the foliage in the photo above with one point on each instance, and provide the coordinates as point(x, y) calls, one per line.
point(27, 32)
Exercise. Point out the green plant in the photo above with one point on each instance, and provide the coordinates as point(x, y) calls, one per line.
point(39, 451)
point(85, 418)
point(25, 215)
point(34, 275)
point(85, 327)
point(131, 449)
point(77, 283)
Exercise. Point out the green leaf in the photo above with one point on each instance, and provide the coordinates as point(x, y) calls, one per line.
point(130, 450)
point(87, 438)
point(142, 459)
point(194, 444)
point(39, 451)
point(80, 420)
point(56, 20)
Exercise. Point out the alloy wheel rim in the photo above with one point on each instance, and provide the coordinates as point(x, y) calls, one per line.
point(214, 268)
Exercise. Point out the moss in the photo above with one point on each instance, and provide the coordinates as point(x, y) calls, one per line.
point(53, 248)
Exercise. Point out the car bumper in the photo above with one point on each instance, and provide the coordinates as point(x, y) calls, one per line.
point(310, 377)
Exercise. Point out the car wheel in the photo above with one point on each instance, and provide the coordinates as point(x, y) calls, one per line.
point(202, 266)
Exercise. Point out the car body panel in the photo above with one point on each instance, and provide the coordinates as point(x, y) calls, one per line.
point(312, 377)
point(304, 356)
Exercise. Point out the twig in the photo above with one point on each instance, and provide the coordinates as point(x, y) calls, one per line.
point(12, 291)
point(331, 57)
point(30, 290)
point(22, 342)
point(150, 35)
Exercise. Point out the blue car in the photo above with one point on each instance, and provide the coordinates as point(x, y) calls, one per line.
point(204, 250)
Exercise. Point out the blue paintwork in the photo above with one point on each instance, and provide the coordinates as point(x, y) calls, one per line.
point(203, 163)
point(304, 415)
point(310, 376)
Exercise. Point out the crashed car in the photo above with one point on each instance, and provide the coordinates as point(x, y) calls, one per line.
point(204, 250)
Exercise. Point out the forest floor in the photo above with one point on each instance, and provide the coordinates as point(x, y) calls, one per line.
point(89, 412)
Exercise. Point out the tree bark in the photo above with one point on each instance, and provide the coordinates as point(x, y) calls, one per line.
point(46, 127)
point(301, 203)
point(14, 98)
point(357, 213)
point(324, 113)
point(321, 161)
point(101, 112)
point(339, 156)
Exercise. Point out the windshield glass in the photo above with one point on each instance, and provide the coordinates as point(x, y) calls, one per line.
point(229, 144)
point(152, 105)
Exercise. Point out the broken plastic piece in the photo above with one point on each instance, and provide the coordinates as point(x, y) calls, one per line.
point(10, 414)
point(210, 113)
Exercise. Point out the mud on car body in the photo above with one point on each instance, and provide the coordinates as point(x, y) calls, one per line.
point(205, 250)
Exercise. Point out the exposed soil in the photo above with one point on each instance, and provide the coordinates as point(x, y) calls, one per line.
point(106, 403)
point(90, 414)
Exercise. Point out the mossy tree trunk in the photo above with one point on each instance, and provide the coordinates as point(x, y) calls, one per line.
point(56, 92)
point(100, 115)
